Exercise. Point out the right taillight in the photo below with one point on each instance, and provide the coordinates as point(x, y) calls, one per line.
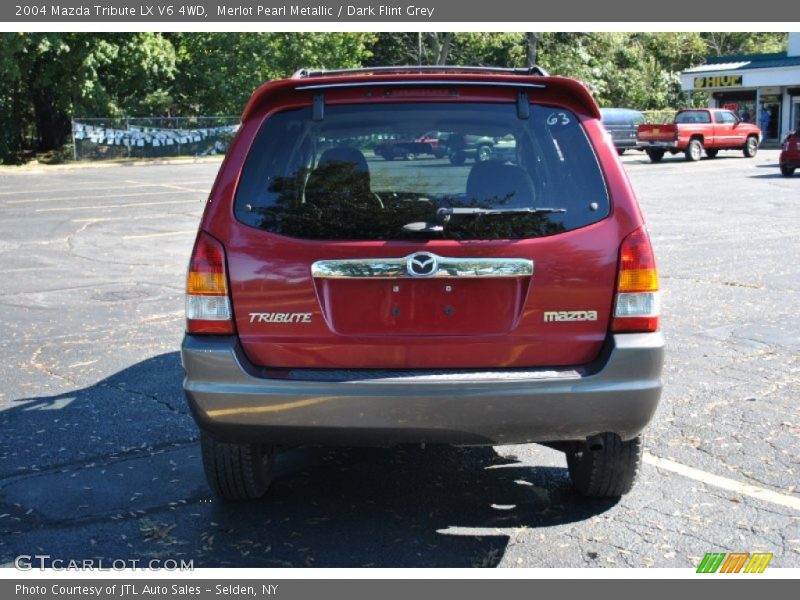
point(636, 306)
point(208, 307)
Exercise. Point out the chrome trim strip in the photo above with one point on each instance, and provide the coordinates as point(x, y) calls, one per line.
point(397, 268)
point(419, 83)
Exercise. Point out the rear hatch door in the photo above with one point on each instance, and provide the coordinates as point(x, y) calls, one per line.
point(339, 258)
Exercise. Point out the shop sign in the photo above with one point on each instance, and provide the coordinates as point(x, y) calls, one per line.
point(717, 81)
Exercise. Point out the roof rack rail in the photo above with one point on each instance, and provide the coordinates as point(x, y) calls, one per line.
point(438, 69)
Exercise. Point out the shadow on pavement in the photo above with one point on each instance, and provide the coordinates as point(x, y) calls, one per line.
point(113, 471)
point(776, 175)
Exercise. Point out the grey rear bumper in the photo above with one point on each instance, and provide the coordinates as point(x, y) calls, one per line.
point(235, 400)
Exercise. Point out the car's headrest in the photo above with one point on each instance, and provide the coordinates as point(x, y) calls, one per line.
point(501, 185)
point(341, 176)
point(345, 154)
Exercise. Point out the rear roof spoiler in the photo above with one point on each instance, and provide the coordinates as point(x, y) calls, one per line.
point(314, 82)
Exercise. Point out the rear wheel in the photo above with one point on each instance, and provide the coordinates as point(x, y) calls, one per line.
point(457, 158)
point(484, 153)
point(606, 466)
point(787, 171)
point(751, 147)
point(694, 151)
point(237, 471)
point(620, 151)
point(655, 154)
point(712, 153)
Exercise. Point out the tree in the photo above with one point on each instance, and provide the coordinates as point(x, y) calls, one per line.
point(53, 77)
point(532, 41)
point(49, 78)
point(743, 42)
point(439, 44)
point(394, 48)
point(217, 72)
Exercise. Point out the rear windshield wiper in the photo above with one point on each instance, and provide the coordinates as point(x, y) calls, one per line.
point(444, 214)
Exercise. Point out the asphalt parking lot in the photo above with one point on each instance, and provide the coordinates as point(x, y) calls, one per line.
point(100, 458)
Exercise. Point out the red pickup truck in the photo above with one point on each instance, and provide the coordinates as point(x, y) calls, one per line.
point(698, 129)
point(408, 149)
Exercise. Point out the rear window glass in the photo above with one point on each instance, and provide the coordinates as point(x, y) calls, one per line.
point(693, 116)
point(435, 170)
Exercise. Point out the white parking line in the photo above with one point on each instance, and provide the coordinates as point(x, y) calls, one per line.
point(61, 188)
point(101, 196)
point(155, 235)
point(130, 205)
point(131, 185)
point(177, 185)
point(140, 217)
point(745, 489)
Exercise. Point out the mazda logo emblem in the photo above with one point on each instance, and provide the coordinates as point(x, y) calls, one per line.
point(422, 264)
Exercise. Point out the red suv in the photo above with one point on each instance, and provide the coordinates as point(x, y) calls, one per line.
point(334, 297)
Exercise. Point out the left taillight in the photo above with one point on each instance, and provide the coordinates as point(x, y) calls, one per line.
point(208, 305)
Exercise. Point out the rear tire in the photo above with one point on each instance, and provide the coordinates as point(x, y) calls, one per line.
point(237, 471)
point(655, 154)
point(694, 151)
point(457, 158)
point(606, 467)
point(712, 153)
point(620, 151)
point(787, 171)
point(750, 147)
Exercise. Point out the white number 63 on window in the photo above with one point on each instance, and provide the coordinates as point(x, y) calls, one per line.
point(558, 118)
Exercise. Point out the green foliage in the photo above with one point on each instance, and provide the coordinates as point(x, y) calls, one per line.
point(488, 49)
point(219, 71)
point(51, 77)
point(48, 78)
point(742, 42)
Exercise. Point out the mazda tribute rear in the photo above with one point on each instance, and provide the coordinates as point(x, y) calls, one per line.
point(338, 298)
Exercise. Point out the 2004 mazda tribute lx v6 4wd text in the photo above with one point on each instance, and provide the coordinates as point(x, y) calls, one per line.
point(334, 297)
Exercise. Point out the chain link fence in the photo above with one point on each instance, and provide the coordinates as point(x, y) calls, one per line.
point(151, 137)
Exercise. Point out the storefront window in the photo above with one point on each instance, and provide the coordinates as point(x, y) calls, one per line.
point(769, 117)
point(741, 103)
point(795, 123)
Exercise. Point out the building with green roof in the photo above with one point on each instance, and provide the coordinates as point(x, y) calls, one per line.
point(763, 89)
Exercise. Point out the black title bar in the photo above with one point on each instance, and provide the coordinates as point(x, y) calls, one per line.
point(419, 11)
